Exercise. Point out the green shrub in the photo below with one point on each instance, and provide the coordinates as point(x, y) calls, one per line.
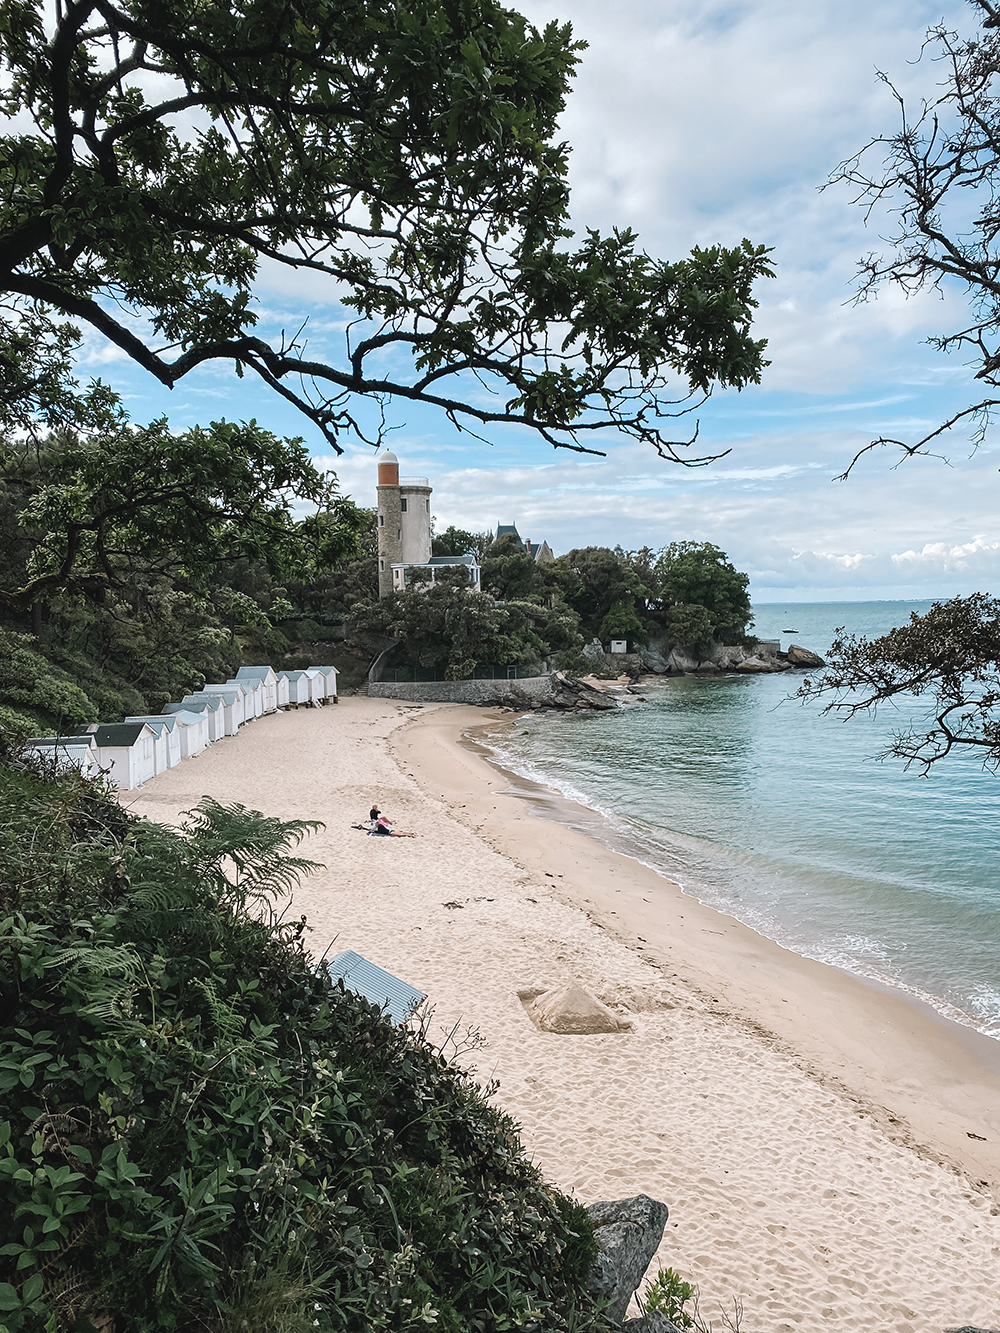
point(669, 1293)
point(198, 1131)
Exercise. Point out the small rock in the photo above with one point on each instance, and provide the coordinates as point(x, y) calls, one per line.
point(654, 1322)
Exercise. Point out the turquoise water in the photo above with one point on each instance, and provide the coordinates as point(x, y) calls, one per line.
point(778, 815)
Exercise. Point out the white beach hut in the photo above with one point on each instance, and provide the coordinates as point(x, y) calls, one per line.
point(161, 747)
point(299, 687)
point(193, 728)
point(126, 751)
point(168, 754)
point(317, 686)
point(281, 689)
point(66, 752)
point(268, 681)
point(211, 705)
point(254, 696)
point(331, 681)
point(232, 697)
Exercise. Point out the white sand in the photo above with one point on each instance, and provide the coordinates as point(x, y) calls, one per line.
point(751, 1096)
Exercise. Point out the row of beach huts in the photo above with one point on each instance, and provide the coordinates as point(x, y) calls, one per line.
point(133, 751)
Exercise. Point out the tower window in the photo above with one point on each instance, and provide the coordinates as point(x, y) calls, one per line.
point(402, 506)
point(381, 520)
point(381, 565)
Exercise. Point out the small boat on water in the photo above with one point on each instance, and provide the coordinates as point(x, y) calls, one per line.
point(789, 631)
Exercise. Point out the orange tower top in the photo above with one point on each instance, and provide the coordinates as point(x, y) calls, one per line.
point(388, 469)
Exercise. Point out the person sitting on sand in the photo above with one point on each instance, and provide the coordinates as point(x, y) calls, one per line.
point(382, 827)
point(373, 815)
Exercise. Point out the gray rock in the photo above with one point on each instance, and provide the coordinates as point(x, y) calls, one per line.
point(728, 655)
point(681, 660)
point(655, 655)
point(568, 692)
point(594, 652)
point(759, 665)
point(654, 1322)
point(802, 657)
point(628, 1233)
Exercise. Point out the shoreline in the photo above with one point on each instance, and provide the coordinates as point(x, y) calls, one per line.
point(787, 1186)
point(917, 1069)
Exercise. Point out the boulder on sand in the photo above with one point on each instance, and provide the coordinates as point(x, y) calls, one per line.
point(628, 1233)
point(573, 1011)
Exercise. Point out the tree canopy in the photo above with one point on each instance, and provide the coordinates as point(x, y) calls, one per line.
point(937, 176)
point(162, 155)
point(698, 574)
point(95, 510)
point(947, 659)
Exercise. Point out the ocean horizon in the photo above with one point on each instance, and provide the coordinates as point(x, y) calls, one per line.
point(775, 813)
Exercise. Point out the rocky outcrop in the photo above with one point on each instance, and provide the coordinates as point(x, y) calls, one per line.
point(682, 659)
point(761, 665)
point(628, 1233)
point(655, 654)
point(654, 1322)
point(802, 657)
point(663, 658)
point(573, 1011)
point(568, 692)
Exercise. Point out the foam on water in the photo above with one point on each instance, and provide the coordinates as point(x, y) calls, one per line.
point(777, 815)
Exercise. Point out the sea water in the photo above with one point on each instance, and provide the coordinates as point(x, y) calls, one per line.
point(779, 814)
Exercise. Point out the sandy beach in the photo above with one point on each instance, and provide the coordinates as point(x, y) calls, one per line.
point(811, 1134)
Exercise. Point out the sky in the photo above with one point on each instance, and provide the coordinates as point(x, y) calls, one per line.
point(696, 122)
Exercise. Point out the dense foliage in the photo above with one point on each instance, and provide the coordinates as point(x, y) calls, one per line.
point(199, 1132)
point(450, 629)
point(402, 156)
point(94, 510)
point(135, 563)
point(948, 660)
point(529, 612)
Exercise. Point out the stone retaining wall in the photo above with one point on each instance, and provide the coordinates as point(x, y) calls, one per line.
point(465, 691)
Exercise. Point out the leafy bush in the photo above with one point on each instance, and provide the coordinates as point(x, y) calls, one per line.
point(668, 1293)
point(27, 679)
point(199, 1131)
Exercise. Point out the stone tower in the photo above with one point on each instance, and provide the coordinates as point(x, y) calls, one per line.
point(404, 521)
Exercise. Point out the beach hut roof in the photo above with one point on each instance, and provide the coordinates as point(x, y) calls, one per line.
point(159, 724)
point(254, 672)
point(396, 998)
point(80, 738)
point(229, 693)
point(294, 675)
point(189, 718)
point(205, 699)
point(119, 733)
